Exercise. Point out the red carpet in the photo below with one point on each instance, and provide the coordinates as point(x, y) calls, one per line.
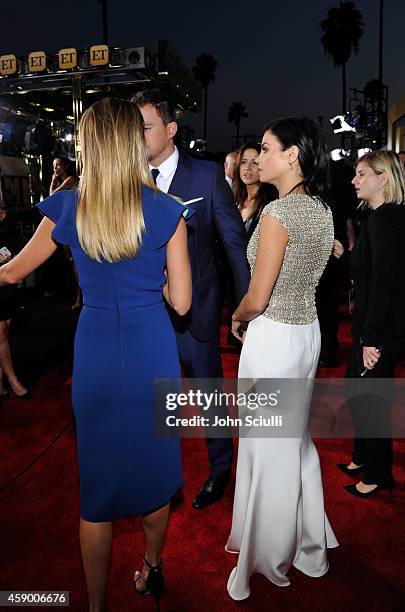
point(39, 511)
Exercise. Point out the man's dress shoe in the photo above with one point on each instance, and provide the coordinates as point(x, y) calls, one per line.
point(211, 491)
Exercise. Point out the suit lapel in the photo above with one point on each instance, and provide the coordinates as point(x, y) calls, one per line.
point(180, 184)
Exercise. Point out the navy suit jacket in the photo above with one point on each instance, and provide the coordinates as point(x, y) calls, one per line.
point(194, 179)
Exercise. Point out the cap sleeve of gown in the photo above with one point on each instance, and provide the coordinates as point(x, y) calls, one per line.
point(162, 217)
point(61, 209)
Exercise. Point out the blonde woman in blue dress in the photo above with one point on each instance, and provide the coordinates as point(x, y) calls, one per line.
point(278, 515)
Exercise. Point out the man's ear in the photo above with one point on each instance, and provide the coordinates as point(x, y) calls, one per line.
point(172, 129)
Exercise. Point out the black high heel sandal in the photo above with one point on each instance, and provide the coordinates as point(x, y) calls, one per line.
point(154, 583)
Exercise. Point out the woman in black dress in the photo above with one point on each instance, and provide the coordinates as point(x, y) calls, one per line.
point(65, 177)
point(378, 264)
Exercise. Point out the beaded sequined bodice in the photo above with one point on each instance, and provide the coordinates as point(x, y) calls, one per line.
point(310, 239)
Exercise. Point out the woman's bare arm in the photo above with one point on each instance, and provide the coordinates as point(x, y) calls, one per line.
point(177, 291)
point(39, 249)
point(68, 183)
point(270, 254)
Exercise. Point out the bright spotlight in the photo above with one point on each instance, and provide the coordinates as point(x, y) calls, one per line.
point(339, 124)
point(338, 154)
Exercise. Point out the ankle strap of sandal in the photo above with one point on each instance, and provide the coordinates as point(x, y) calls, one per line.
point(153, 567)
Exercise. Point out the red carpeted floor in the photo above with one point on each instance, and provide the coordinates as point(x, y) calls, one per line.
point(39, 511)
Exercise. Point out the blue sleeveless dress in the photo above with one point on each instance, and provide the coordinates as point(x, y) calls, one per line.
point(124, 340)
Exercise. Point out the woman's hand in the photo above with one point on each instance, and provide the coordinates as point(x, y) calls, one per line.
point(338, 249)
point(4, 258)
point(239, 328)
point(371, 355)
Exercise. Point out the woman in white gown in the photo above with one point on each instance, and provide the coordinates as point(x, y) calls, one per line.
point(278, 514)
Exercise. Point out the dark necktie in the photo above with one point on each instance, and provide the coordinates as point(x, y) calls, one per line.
point(155, 173)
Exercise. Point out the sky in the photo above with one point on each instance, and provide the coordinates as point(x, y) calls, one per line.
point(269, 53)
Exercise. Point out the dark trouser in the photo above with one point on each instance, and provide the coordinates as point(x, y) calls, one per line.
point(327, 305)
point(371, 411)
point(203, 360)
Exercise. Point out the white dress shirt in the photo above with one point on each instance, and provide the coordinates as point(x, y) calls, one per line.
point(167, 170)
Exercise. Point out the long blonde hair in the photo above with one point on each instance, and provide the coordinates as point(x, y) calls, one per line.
point(390, 163)
point(109, 218)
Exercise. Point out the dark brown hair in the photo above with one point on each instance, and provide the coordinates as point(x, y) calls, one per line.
point(166, 109)
point(265, 194)
point(67, 165)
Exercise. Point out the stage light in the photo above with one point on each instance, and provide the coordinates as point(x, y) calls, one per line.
point(192, 143)
point(338, 154)
point(69, 137)
point(362, 152)
point(50, 110)
point(339, 124)
point(199, 145)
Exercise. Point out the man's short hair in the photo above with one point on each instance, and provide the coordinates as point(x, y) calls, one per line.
point(166, 108)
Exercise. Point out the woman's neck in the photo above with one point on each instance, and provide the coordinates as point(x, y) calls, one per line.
point(252, 191)
point(376, 202)
point(289, 184)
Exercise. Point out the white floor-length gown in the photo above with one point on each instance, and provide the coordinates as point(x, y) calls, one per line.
point(278, 514)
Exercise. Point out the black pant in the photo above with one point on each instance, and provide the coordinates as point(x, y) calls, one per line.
point(202, 360)
point(370, 404)
point(327, 305)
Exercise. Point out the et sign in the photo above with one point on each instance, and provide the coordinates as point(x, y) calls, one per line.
point(8, 64)
point(98, 55)
point(36, 61)
point(67, 59)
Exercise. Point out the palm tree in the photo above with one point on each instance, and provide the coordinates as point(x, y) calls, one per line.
point(204, 72)
point(342, 30)
point(236, 112)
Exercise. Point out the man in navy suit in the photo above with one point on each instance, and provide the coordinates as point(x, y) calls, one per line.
point(203, 185)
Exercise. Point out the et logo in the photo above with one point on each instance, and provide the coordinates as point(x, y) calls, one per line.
point(36, 61)
point(8, 64)
point(99, 55)
point(67, 59)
